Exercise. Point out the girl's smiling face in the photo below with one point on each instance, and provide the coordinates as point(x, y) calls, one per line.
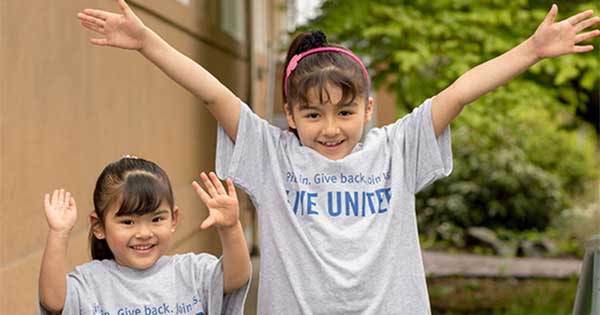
point(138, 241)
point(333, 128)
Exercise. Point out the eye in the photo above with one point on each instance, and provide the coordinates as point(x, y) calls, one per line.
point(312, 115)
point(158, 219)
point(127, 222)
point(345, 113)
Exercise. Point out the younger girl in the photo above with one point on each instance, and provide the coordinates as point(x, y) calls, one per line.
point(336, 217)
point(132, 223)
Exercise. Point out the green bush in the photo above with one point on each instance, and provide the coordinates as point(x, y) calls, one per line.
point(515, 166)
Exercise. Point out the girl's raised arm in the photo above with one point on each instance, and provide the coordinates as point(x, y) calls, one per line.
point(551, 39)
point(126, 30)
point(224, 211)
point(61, 214)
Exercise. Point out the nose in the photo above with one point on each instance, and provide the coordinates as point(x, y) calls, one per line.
point(331, 128)
point(143, 232)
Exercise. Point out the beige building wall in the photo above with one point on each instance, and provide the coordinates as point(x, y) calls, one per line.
point(68, 108)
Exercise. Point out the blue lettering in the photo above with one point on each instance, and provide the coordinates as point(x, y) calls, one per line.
point(182, 308)
point(364, 200)
point(337, 203)
point(351, 203)
point(330, 210)
point(381, 193)
point(127, 311)
point(153, 310)
point(370, 199)
point(322, 178)
point(97, 309)
point(311, 203)
point(299, 196)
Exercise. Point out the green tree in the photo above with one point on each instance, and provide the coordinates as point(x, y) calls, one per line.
point(520, 153)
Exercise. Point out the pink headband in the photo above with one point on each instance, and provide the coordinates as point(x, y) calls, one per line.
point(294, 63)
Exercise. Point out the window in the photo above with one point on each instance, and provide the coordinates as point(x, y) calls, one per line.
point(233, 18)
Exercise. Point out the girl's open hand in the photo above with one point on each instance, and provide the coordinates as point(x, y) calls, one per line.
point(554, 39)
point(61, 211)
point(222, 205)
point(123, 30)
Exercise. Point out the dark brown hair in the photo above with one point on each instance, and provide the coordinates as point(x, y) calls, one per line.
point(316, 71)
point(139, 185)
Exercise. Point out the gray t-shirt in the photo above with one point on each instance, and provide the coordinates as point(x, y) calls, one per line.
point(188, 284)
point(338, 237)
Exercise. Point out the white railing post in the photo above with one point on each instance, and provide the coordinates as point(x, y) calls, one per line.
point(587, 301)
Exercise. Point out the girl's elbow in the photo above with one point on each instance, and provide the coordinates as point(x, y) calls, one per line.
point(53, 307)
point(237, 283)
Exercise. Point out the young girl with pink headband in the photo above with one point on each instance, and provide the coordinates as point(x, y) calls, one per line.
point(337, 223)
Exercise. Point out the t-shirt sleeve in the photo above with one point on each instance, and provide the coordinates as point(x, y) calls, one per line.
point(74, 287)
point(211, 276)
point(427, 158)
point(245, 159)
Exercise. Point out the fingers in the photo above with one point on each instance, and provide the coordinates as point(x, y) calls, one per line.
point(551, 16)
point(582, 49)
point(586, 36)
point(61, 197)
point(93, 27)
point(580, 17)
point(123, 6)
point(587, 23)
point(54, 197)
point(231, 188)
point(46, 201)
point(210, 221)
point(92, 23)
point(217, 183)
point(91, 19)
point(91, 13)
point(72, 203)
point(99, 41)
point(67, 199)
point(214, 187)
point(209, 184)
point(203, 195)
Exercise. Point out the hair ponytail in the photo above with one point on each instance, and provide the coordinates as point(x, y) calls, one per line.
point(303, 42)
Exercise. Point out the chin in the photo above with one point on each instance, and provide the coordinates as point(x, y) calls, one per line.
point(334, 157)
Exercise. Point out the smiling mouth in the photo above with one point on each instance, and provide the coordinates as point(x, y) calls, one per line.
point(142, 248)
point(331, 144)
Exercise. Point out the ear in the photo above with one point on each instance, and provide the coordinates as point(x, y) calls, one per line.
point(96, 226)
point(369, 110)
point(289, 115)
point(175, 219)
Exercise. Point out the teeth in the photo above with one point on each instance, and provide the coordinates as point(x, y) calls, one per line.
point(331, 143)
point(142, 247)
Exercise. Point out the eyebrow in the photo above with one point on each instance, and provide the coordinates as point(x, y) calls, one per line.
point(309, 107)
point(161, 211)
point(319, 106)
point(156, 212)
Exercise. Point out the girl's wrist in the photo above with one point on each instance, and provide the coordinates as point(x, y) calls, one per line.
point(148, 41)
point(229, 229)
point(146, 34)
point(59, 234)
point(532, 50)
